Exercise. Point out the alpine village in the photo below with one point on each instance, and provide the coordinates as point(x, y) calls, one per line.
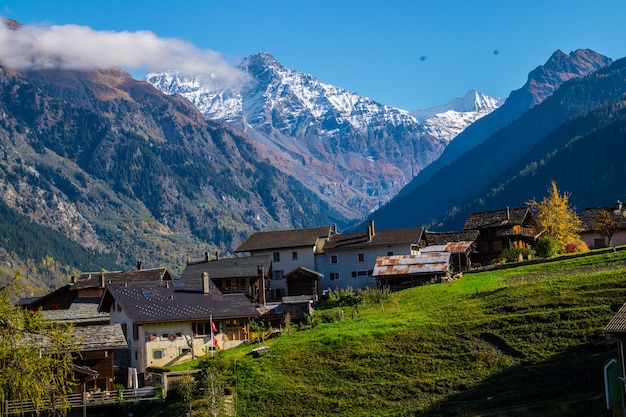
point(164, 253)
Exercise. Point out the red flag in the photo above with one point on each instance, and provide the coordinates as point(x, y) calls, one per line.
point(213, 328)
point(215, 343)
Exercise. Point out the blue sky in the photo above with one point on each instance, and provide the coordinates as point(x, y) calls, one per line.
point(406, 54)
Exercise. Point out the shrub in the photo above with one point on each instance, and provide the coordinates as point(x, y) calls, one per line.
point(576, 246)
point(548, 246)
point(344, 297)
point(512, 253)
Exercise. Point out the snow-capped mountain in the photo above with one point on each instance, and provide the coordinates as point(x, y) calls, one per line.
point(448, 120)
point(351, 150)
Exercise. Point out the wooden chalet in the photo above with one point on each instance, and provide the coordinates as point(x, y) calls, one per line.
point(303, 282)
point(404, 271)
point(247, 275)
point(501, 229)
point(461, 245)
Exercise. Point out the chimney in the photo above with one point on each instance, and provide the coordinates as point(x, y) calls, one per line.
point(217, 256)
point(508, 213)
point(206, 256)
point(102, 279)
point(370, 230)
point(261, 285)
point(139, 265)
point(72, 280)
point(188, 259)
point(205, 283)
point(618, 206)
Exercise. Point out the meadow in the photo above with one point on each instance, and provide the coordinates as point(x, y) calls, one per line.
point(525, 340)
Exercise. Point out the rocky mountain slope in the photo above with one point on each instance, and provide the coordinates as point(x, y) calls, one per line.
point(355, 153)
point(123, 169)
point(528, 148)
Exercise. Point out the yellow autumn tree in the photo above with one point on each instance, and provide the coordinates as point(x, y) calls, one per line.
point(555, 217)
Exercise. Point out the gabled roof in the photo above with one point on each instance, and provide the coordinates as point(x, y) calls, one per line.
point(408, 236)
point(303, 272)
point(425, 263)
point(36, 302)
point(80, 313)
point(618, 322)
point(93, 279)
point(443, 238)
point(589, 217)
point(175, 301)
point(245, 266)
point(281, 239)
point(498, 218)
point(109, 336)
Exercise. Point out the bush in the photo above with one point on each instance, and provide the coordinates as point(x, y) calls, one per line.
point(548, 246)
point(512, 253)
point(344, 297)
point(576, 246)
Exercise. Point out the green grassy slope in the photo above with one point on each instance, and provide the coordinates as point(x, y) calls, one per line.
point(523, 341)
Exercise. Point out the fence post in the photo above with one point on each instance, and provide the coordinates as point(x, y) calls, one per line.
point(84, 403)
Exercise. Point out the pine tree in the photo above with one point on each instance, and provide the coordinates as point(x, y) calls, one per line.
point(555, 216)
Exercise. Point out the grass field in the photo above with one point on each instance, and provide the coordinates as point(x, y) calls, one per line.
point(520, 341)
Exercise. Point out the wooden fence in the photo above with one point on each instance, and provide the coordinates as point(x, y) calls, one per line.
point(85, 400)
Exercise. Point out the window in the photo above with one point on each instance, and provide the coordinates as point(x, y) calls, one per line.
point(203, 328)
point(278, 292)
point(334, 276)
point(185, 351)
point(157, 354)
point(361, 273)
point(294, 256)
point(361, 257)
point(497, 246)
point(135, 332)
point(333, 259)
point(278, 274)
point(389, 253)
point(276, 256)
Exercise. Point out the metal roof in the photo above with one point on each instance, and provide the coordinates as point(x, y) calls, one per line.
point(168, 301)
point(452, 247)
point(406, 236)
point(424, 263)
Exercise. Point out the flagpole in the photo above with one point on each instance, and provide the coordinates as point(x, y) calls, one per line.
point(212, 337)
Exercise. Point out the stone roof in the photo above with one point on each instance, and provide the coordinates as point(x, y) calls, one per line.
point(589, 217)
point(174, 301)
point(99, 337)
point(499, 218)
point(443, 238)
point(80, 312)
point(280, 239)
point(94, 279)
point(245, 266)
point(408, 236)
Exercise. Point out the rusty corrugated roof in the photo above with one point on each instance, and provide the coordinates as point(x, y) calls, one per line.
point(424, 263)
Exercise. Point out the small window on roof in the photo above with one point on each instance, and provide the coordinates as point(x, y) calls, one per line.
point(179, 284)
point(148, 293)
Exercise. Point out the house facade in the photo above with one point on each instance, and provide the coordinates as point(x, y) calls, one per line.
point(249, 275)
point(501, 229)
point(170, 322)
point(348, 259)
point(288, 250)
point(589, 218)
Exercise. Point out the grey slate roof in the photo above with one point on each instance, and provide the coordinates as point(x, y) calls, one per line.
point(589, 217)
point(171, 301)
point(245, 266)
point(79, 313)
point(498, 218)
point(443, 238)
point(99, 337)
point(618, 322)
point(92, 279)
point(280, 239)
point(380, 238)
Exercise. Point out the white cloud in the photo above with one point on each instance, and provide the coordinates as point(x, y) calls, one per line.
point(80, 47)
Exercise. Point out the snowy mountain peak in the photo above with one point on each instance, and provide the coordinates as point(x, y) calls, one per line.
point(472, 101)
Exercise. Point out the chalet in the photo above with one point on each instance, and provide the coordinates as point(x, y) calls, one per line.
point(303, 282)
point(501, 229)
point(348, 259)
point(589, 218)
point(460, 245)
point(288, 249)
point(404, 271)
point(249, 275)
point(98, 344)
point(90, 287)
point(168, 322)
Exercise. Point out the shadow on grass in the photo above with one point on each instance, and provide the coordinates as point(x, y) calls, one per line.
point(569, 384)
